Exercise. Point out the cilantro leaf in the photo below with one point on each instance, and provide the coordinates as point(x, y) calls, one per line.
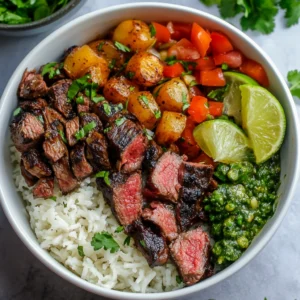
point(120, 121)
point(294, 81)
point(119, 229)
point(122, 47)
point(218, 94)
point(152, 30)
point(80, 251)
point(149, 134)
point(144, 99)
point(178, 279)
point(127, 241)
point(85, 130)
point(185, 102)
point(106, 241)
point(17, 111)
point(104, 175)
point(292, 13)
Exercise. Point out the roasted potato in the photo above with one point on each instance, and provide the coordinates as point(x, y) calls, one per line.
point(145, 69)
point(134, 34)
point(80, 59)
point(170, 127)
point(145, 108)
point(118, 89)
point(173, 95)
point(107, 50)
point(99, 72)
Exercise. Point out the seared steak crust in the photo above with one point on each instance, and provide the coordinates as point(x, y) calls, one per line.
point(44, 188)
point(152, 154)
point(86, 118)
point(34, 106)
point(29, 178)
point(72, 126)
point(51, 116)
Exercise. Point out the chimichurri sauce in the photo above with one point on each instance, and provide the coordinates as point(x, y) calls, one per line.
point(241, 205)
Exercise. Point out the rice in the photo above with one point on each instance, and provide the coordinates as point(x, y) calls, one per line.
point(72, 220)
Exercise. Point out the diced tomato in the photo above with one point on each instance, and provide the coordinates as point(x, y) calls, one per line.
point(200, 38)
point(187, 144)
point(179, 30)
point(184, 50)
point(198, 109)
point(162, 33)
point(205, 159)
point(194, 91)
point(220, 43)
point(215, 108)
point(233, 59)
point(255, 70)
point(174, 70)
point(212, 77)
point(205, 63)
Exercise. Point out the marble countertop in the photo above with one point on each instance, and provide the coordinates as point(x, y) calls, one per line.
point(274, 273)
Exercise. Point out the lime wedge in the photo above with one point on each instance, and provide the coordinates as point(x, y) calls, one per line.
point(263, 120)
point(222, 140)
point(232, 97)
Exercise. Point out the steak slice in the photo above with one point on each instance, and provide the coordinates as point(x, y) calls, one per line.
point(26, 131)
point(32, 85)
point(124, 195)
point(190, 252)
point(34, 106)
point(65, 178)
point(81, 168)
point(72, 127)
point(85, 106)
point(97, 153)
point(54, 146)
point(44, 188)
point(29, 178)
point(163, 180)
point(129, 143)
point(152, 154)
point(86, 118)
point(107, 111)
point(163, 216)
point(34, 164)
point(51, 116)
point(195, 179)
point(58, 96)
point(151, 243)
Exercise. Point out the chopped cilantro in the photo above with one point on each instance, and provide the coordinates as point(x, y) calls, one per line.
point(17, 111)
point(62, 135)
point(149, 134)
point(106, 241)
point(120, 121)
point(127, 241)
point(157, 114)
point(98, 99)
point(122, 47)
point(130, 75)
point(131, 89)
point(144, 99)
point(107, 129)
point(80, 251)
point(224, 67)
point(50, 69)
point(294, 81)
point(178, 279)
point(53, 198)
point(104, 175)
point(80, 100)
point(85, 130)
point(40, 118)
point(100, 46)
point(187, 73)
point(193, 83)
point(119, 229)
point(107, 108)
point(218, 94)
point(142, 242)
point(78, 85)
point(152, 30)
point(112, 64)
point(163, 80)
point(186, 104)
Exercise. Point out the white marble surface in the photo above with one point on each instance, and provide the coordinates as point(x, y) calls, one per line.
point(274, 273)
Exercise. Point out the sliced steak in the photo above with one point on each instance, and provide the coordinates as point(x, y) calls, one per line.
point(97, 151)
point(65, 178)
point(163, 216)
point(124, 195)
point(34, 164)
point(81, 168)
point(151, 243)
point(58, 96)
point(32, 85)
point(34, 106)
point(129, 143)
point(195, 179)
point(152, 154)
point(107, 111)
point(51, 116)
point(86, 118)
point(85, 106)
point(72, 127)
point(163, 180)
point(190, 252)
point(29, 178)
point(54, 146)
point(26, 131)
point(44, 188)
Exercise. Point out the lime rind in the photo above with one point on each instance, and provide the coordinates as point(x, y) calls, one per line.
point(222, 140)
point(264, 121)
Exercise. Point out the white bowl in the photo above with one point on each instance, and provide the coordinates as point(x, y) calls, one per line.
point(87, 28)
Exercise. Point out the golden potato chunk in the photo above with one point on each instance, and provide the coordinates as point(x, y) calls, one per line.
point(172, 95)
point(107, 50)
point(170, 127)
point(118, 89)
point(145, 108)
point(145, 69)
point(134, 34)
point(79, 60)
point(99, 73)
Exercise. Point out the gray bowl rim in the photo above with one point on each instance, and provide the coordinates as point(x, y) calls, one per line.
point(62, 271)
point(42, 22)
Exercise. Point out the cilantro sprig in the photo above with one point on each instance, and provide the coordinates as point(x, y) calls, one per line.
point(294, 81)
point(106, 241)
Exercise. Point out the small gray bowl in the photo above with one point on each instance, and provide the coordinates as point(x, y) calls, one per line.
point(44, 24)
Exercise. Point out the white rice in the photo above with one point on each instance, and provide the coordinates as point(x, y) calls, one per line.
point(72, 220)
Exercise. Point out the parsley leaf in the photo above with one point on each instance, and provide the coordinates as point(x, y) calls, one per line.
point(152, 30)
point(106, 241)
point(104, 175)
point(122, 47)
point(294, 81)
point(80, 251)
point(292, 13)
